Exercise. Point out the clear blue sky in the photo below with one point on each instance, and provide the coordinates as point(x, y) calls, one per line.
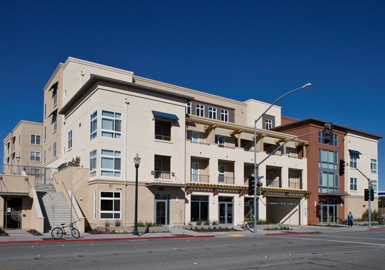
point(237, 49)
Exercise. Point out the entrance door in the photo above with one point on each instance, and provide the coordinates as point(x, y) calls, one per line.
point(328, 214)
point(226, 210)
point(162, 209)
point(12, 213)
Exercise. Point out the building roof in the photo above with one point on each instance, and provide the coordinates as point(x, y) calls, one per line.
point(96, 78)
point(322, 122)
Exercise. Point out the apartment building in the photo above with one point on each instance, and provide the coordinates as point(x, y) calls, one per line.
point(196, 150)
point(334, 195)
point(22, 160)
point(23, 146)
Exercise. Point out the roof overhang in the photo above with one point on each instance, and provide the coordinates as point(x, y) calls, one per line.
point(165, 184)
point(14, 194)
point(335, 194)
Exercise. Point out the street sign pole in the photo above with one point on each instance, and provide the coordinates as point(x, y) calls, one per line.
point(370, 198)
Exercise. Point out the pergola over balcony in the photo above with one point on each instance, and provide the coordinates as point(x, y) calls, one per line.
point(215, 188)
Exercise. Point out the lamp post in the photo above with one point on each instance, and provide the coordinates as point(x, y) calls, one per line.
point(137, 162)
point(256, 176)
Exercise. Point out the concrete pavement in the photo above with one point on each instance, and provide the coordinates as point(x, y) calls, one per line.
point(23, 237)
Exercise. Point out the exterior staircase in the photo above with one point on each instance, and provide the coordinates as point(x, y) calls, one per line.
point(54, 206)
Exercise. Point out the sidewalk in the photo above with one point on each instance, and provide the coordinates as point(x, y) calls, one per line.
point(23, 237)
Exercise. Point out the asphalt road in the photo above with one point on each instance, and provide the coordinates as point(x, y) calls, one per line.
point(347, 250)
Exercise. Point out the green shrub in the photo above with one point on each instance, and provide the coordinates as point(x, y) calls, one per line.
point(374, 215)
point(199, 222)
point(117, 223)
point(207, 222)
point(214, 222)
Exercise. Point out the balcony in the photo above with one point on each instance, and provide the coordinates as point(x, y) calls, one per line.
point(274, 183)
point(225, 180)
point(199, 178)
point(161, 174)
point(294, 184)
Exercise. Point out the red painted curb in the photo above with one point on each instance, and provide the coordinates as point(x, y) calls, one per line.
point(53, 241)
point(288, 233)
point(377, 229)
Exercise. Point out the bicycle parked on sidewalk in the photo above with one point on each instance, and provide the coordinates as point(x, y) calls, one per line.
point(58, 232)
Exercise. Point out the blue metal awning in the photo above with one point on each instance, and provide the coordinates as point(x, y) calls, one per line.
point(354, 152)
point(164, 115)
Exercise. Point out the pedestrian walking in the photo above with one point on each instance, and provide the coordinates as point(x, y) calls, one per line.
point(350, 220)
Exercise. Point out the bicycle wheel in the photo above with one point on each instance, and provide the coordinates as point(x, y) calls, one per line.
point(75, 233)
point(57, 233)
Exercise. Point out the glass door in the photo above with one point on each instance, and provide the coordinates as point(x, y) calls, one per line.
point(162, 209)
point(226, 210)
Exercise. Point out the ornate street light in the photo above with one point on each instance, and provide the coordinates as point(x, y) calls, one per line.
point(137, 162)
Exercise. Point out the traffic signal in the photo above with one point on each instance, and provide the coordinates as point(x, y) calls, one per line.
point(366, 194)
point(328, 132)
point(251, 185)
point(372, 194)
point(259, 187)
point(342, 167)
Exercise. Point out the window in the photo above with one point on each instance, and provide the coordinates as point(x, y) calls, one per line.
point(199, 208)
point(268, 124)
point(353, 183)
point(93, 125)
point(110, 163)
point(373, 165)
point(162, 130)
point(109, 205)
point(158, 168)
point(200, 110)
point(69, 139)
point(54, 149)
point(225, 115)
point(35, 156)
point(45, 133)
point(212, 113)
point(327, 159)
point(353, 161)
point(54, 96)
point(375, 187)
point(35, 139)
point(221, 174)
point(193, 136)
point(93, 163)
point(220, 140)
point(188, 108)
point(333, 142)
point(328, 182)
point(45, 156)
point(54, 121)
point(111, 124)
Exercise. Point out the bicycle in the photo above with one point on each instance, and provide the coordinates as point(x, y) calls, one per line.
point(58, 232)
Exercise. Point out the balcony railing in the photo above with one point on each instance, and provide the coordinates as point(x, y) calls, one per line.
point(199, 178)
point(162, 137)
point(161, 174)
point(274, 183)
point(295, 185)
point(42, 175)
point(225, 180)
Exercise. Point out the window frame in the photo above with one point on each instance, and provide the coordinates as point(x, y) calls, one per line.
point(224, 115)
point(34, 139)
point(188, 108)
point(54, 149)
point(116, 159)
point(212, 112)
point(373, 166)
point(93, 163)
point(200, 110)
point(353, 183)
point(116, 120)
point(93, 125)
point(268, 124)
point(115, 213)
point(35, 156)
point(69, 140)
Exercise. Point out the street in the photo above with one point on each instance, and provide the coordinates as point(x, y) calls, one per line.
point(345, 250)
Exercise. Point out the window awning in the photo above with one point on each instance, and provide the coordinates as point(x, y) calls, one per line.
point(54, 86)
point(354, 152)
point(164, 115)
point(54, 112)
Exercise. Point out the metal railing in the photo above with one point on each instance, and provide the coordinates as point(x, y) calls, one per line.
point(43, 175)
point(199, 178)
point(158, 174)
point(162, 137)
point(225, 180)
point(295, 184)
point(274, 183)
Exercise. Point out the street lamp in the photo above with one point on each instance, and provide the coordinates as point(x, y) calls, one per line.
point(137, 162)
point(256, 176)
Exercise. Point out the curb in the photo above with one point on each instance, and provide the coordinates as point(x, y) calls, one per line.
point(53, 241)
point(289, 233)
